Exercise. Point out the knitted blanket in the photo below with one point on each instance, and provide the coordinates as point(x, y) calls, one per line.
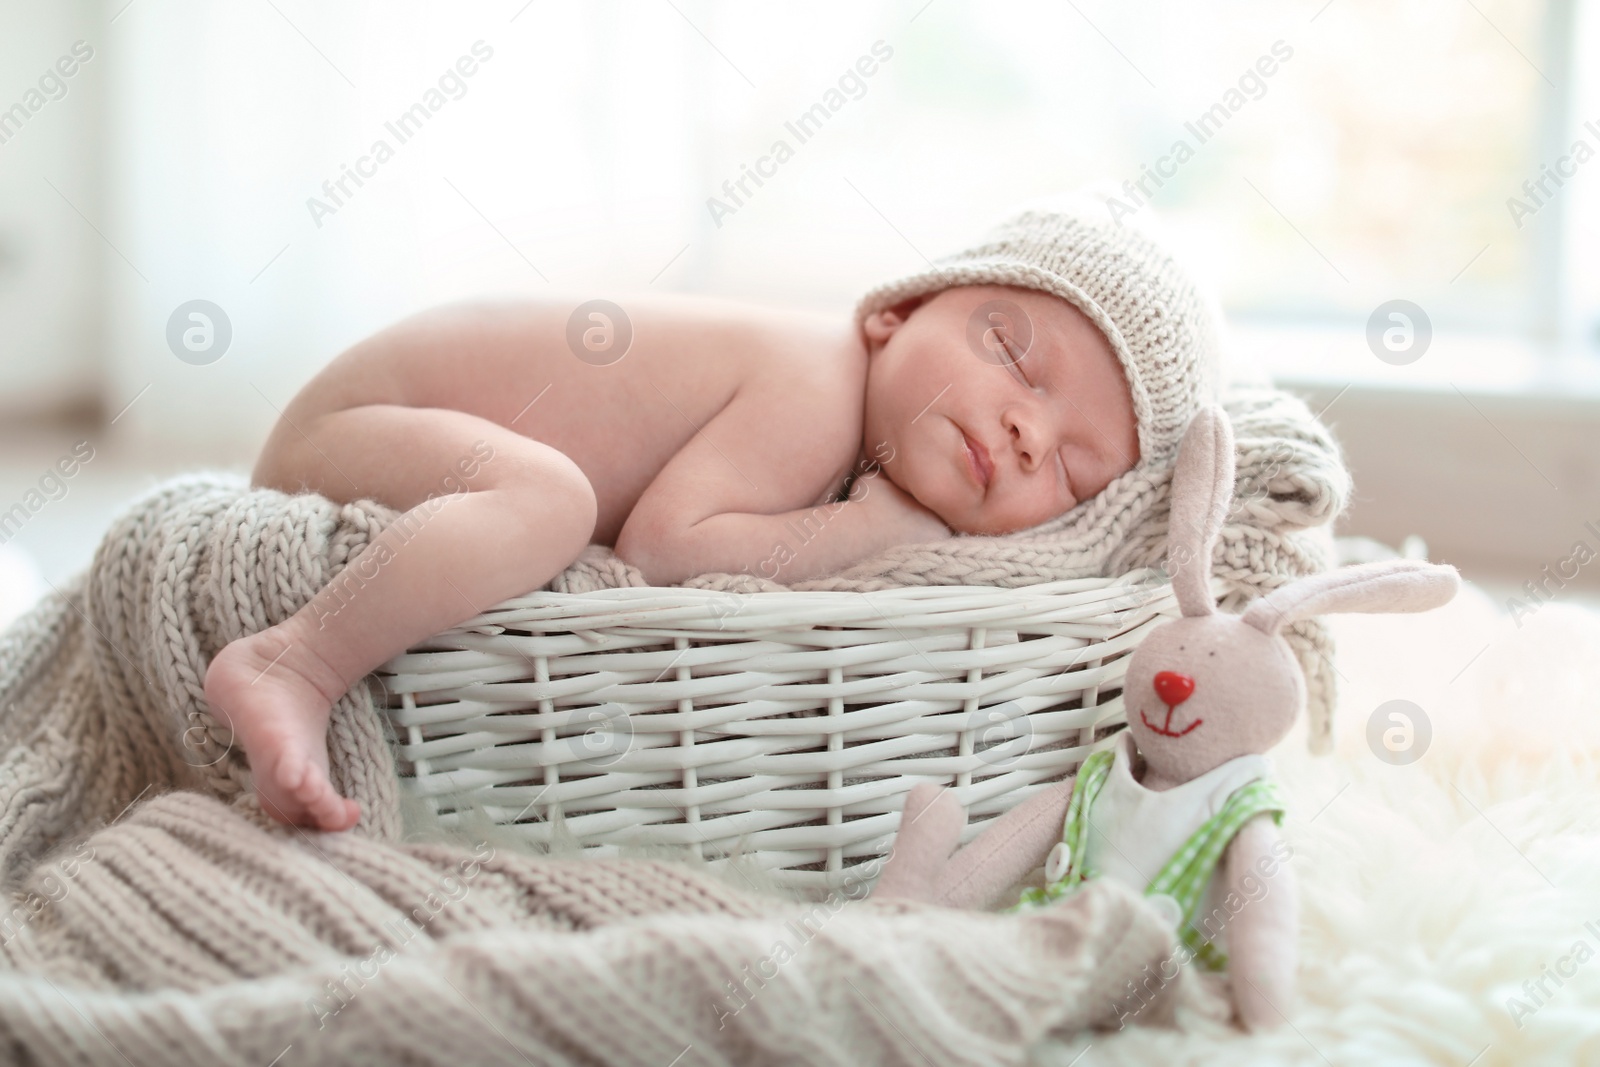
point(155, 916)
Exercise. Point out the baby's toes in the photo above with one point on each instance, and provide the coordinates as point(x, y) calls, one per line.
point(347, 814)
point(292, 774)
point(336, 813)
point(281, 807)
point(314, 789)
point(323, 802)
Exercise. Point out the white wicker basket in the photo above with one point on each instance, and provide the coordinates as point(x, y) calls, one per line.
point(783, 726)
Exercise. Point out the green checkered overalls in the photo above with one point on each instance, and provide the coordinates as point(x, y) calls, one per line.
point(1185, 876)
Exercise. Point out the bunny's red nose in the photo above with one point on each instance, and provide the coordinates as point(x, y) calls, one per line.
point(1173, 688)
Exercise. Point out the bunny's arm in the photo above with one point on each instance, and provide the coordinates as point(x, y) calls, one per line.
point(920, 867)
point(1010, 846)
point(1263, 937)
point(930, 829)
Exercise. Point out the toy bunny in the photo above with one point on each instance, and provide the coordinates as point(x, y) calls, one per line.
point(1182, 804)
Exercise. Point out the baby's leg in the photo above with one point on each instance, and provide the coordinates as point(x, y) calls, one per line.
point(528, 513)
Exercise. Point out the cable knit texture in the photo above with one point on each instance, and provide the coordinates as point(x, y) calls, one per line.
point(155, 916)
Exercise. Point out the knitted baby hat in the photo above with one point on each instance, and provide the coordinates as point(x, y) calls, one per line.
point(1155, 318)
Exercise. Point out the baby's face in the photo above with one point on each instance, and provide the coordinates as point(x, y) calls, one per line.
point(1050, 426)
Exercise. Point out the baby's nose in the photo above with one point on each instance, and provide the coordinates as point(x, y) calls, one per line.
point(1173, 688)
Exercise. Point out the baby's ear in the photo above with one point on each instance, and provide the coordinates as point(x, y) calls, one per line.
point(880, 325)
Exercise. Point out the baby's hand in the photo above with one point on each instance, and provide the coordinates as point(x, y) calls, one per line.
point(892, 508)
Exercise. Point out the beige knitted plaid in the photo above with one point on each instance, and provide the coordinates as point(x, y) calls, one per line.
point(156, 917)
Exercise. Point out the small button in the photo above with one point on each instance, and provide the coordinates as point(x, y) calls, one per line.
point(1055, 865)
point(1166, 907)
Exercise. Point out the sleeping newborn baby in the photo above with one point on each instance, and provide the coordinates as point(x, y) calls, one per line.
point(999, 389)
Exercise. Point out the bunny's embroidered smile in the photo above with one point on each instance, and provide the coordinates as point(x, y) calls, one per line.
point(1166, 730)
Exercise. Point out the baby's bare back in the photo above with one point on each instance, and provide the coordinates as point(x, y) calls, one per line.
point(759, 410)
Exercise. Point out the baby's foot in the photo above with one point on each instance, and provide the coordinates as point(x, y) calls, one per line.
point(262, 687)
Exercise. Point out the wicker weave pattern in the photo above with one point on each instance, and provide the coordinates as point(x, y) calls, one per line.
point(785, 726)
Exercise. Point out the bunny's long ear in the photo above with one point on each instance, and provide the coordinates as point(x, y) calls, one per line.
point(1388, 585)
point(1202, 489)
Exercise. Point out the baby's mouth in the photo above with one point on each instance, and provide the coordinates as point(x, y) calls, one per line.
point(977, 459)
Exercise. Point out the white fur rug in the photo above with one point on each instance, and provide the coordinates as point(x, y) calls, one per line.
point(21, 583)
point(1434, 893)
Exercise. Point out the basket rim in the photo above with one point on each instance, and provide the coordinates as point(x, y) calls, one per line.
point(1136, 578)
point(710, 613)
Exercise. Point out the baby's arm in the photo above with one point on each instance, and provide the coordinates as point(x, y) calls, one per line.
point(717, 506)
point(789, 547)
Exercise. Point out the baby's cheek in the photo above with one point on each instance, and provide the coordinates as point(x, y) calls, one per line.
point(1030, 510)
